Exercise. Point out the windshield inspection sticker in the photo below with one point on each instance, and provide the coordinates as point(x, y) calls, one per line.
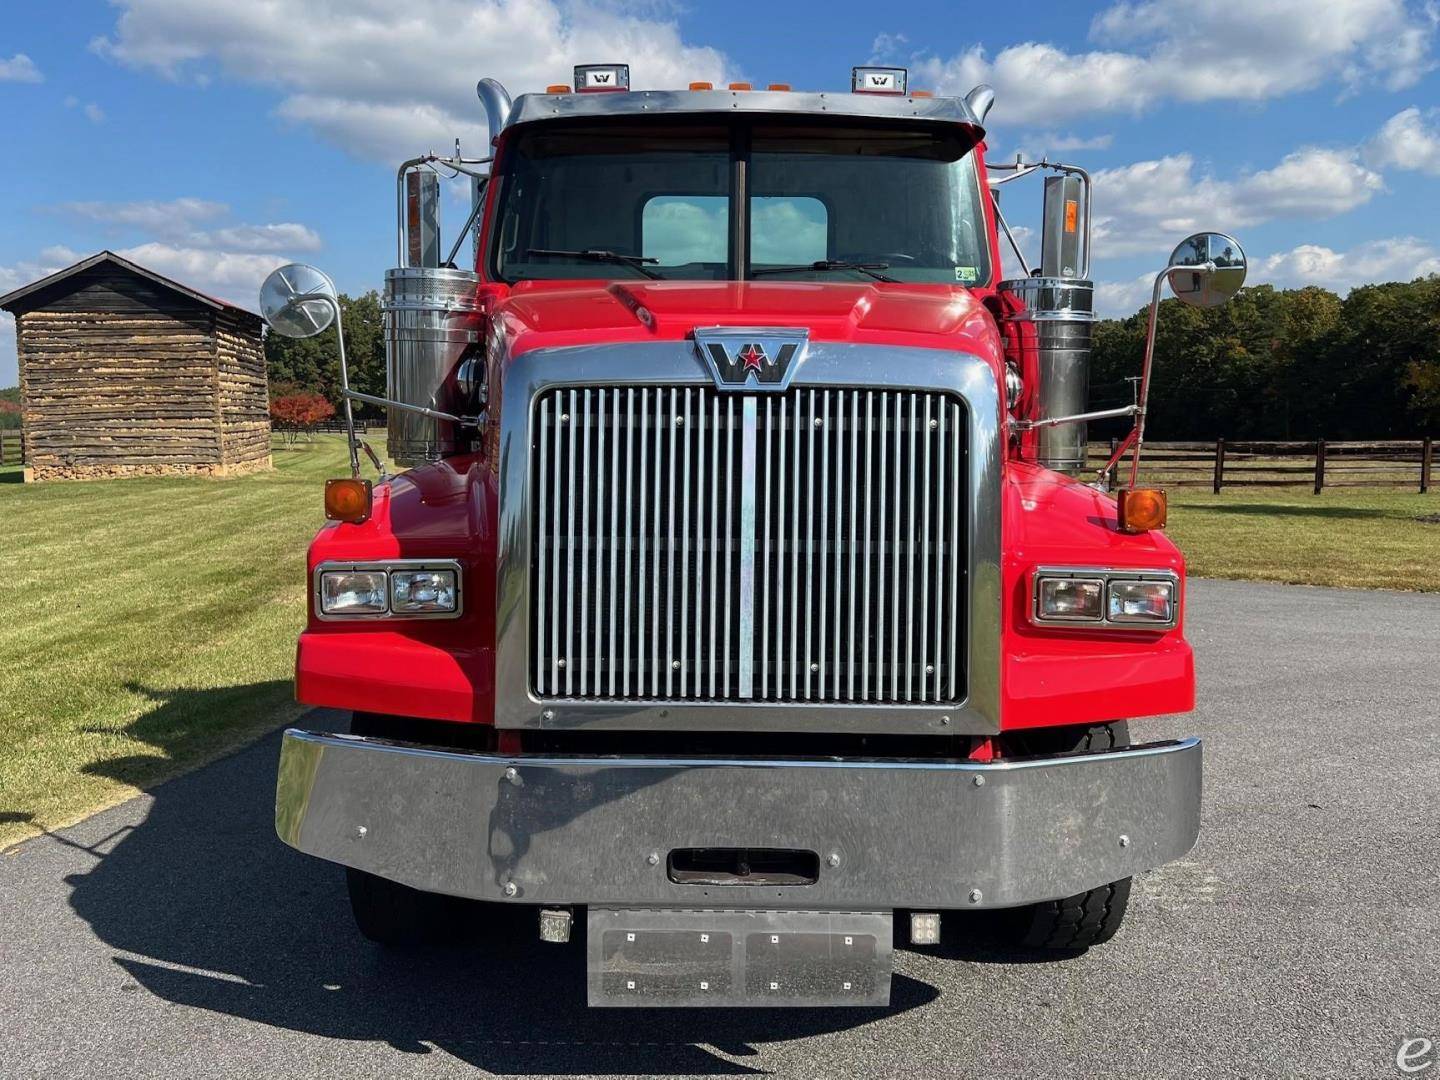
point(967, 274)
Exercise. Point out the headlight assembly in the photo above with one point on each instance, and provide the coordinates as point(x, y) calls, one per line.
point(1105, 599)
point(395, 589)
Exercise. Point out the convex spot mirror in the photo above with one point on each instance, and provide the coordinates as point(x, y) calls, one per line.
point(1207, 269)
point(290, 300)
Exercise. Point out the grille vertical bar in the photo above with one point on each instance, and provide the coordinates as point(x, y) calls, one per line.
point(810, 545)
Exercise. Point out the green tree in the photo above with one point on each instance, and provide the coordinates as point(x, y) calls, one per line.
point(313, 363)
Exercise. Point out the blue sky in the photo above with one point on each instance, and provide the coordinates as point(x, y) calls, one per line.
point(214, 140)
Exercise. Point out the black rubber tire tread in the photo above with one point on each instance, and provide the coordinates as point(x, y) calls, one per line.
point(1077, 922)
point(1092, 917)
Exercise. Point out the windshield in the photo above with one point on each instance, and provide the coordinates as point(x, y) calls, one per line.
point(721, 201)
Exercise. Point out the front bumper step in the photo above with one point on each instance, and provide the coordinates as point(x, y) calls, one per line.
point(648, 957)
point(887, 834)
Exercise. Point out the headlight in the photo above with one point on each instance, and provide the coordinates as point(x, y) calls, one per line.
point(398, 589)
point(1105, 599)
point(352, 592)
point(422, 590)
point(1071, 599)
point(1150, 602)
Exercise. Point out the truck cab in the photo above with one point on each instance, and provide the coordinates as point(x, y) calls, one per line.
point(745, 589)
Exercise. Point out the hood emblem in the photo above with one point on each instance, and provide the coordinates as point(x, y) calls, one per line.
point(751, 359)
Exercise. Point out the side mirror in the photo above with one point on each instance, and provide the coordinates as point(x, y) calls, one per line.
point(1207, 269)
point(299, 301)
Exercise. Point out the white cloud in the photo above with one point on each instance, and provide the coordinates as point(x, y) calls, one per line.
point(1408, 140)
point(1402, 258)
point(12, 277)
point(20, 68)
point(388, 81)
point(94, 113)
point(1151, 205)
point(190, 222)
point(227, 275)
point(1200, 50)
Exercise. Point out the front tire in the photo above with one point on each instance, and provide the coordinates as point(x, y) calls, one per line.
point(385, 911)
point(1092, 917)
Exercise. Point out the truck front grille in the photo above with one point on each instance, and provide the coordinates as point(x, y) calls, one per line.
point(691, 545)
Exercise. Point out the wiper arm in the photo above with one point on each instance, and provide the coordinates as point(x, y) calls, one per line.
point(635, 262)
point(868, 269)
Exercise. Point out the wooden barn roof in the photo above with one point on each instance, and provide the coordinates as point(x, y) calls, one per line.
point(12, 300)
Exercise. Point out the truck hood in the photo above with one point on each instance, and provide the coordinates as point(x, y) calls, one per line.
point(548, 315)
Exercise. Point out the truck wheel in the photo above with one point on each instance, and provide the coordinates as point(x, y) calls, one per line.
point(398, 916)
point(1088, 918)
point(387, 912)
point(1076, 922)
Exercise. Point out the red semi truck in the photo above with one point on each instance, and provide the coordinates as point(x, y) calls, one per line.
point(746, 587)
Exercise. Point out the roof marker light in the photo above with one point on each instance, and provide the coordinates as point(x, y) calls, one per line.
point(878, 80)
point(702, 86)
point(557, 88)
point(778, 86)
point(741, 86)
point(601, 78)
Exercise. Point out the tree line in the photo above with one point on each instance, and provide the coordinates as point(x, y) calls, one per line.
point(1282, 364)
point(1271, 364)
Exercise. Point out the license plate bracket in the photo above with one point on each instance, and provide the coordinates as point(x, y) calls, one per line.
point(659, 957)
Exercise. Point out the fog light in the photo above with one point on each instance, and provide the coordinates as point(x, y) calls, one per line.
point(1070, 599)
point(1150, 602)
point(413, 591)
point(924, 928)
point(352, 592)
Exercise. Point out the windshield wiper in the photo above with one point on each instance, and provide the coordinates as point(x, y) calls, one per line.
point(635, 262)
point(868, 269)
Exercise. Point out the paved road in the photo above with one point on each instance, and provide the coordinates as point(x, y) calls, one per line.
point(175, 937)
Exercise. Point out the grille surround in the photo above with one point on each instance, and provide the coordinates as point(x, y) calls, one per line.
point(675, 365)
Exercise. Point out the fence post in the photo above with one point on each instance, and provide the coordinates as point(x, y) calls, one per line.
point(1426, 456)
point(1219, 464)
point(1319, 465)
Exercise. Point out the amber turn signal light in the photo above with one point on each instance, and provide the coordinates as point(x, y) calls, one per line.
point(1141, 509)
point(347, 500)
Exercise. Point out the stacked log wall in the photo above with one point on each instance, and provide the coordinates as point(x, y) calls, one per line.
point(244, 400)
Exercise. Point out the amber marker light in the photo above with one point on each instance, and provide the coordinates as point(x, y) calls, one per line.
point(1141, 509)
point(702, 86)
point(740, 86)
point(347, 500)
point(557, 88)
point(782, 86)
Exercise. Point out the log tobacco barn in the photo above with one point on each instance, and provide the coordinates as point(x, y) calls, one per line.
point(124, 372)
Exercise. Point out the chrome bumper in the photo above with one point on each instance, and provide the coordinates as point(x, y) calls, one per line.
point(597, 830)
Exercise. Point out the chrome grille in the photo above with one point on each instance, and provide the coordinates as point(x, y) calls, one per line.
point(693, 545)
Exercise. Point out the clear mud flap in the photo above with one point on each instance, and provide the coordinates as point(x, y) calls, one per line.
point(654, 957)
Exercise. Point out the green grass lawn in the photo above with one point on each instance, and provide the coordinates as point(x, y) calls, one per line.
point(146, 626)
point(1356, 538)
point(149, 625)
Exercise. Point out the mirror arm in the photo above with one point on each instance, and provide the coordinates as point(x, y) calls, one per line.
point(1005, 227)
point(1077, 418)
point(1144, 396)
point(433, 414)
point(350, 439)
point(469, 221)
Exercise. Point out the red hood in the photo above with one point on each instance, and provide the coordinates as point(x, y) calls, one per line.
point(934, 316)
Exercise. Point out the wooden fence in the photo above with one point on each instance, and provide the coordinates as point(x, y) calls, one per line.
point(1317, 465)
point(12, 450)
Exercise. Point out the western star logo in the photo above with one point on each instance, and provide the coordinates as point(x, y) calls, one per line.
point(755, 360)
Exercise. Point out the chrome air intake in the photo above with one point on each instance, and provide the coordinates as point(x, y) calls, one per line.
point(431, 323)
point(1050, 323)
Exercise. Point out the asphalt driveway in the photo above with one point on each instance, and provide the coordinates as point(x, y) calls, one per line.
point(175, 936)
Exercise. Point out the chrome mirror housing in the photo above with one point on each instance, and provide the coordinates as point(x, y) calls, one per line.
point(1207, 269)
point(299, 301)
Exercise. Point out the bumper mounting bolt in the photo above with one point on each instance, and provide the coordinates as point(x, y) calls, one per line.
point(979, 781)
point(653, 858)
point(976, 896)
point(548, 714)
point(833, 859)
point(511, 888)
point(360, 832)
point(1124, 840)
point(513, 775)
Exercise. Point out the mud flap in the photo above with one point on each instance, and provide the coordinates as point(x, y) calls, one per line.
point(664, 957)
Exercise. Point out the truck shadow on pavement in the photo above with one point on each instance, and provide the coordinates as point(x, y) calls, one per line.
point(207, 908)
